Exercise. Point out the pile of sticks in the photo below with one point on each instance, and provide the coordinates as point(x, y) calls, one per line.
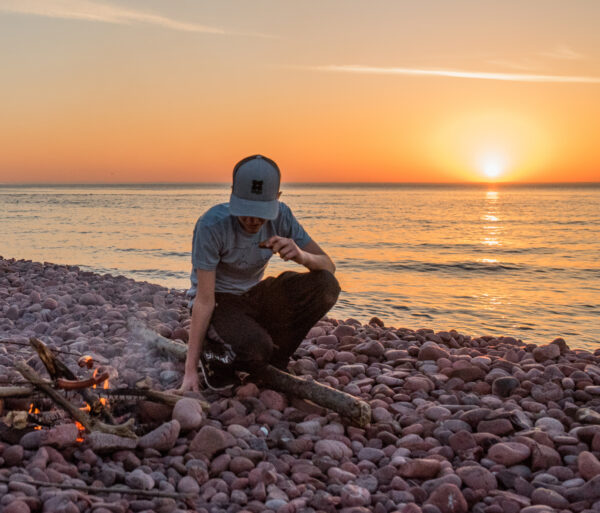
point(62, 379)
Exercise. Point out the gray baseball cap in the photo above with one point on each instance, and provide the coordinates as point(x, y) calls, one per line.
point(255, 190)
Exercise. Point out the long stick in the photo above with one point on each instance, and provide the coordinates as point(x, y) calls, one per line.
point(80, 416)
point(24, 391)
point(357, 411)
point(151, 395)
point(112, 489)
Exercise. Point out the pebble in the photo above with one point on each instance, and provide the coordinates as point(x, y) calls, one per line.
point(210, 441)
point(420, 468)
point(448, 499)
point(162, 438)
point(333, 448)
point(188, 413)
point(509, 453)
point(588, 465)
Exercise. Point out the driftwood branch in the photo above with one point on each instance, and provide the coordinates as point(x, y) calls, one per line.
point(111, 489)
point(152, 395)
point(24, 391)
point(357, 411)
point(156, 396)
point(80, 416)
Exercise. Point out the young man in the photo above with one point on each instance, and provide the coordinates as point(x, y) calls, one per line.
point(238, 321)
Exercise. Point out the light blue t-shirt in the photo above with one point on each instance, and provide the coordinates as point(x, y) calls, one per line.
point(220, 243)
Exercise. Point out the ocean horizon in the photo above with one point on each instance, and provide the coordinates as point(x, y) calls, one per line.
point(303, 184)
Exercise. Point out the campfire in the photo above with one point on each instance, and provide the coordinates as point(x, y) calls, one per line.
point(87, 401)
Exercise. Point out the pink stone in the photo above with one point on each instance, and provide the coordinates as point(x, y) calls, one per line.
point(477, 477)
point(547, 392)
point(16, 506)
point(588, 465)
point(431, 351)
point(162, 438)
point(188, 412)
point(62, 435)
point(380, 414)
point(543, 457)
point(240, 464)
point(448, 499)
point(211, 440)
point(327, 340)
point(273, 400)
point(181, 334)
point(247, 390)
point(548, 352)
point(414, 383)
point(436, 413)
point(471, 373)
point(498, 427)
point(344, 330)
point(423, 468)
point(341, 476)
point(188, 485)
point(353, 495)
point(333, 448)
point(462, 440)
point(509, 453)
point(549, 497)
point(50, 303)
point(314, 332)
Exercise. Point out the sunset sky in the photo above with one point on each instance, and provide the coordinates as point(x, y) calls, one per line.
point(339, 90)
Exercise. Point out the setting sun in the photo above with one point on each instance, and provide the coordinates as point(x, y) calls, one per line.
point(493, 167)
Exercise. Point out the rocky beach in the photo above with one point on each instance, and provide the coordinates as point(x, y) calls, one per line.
point(459, 423)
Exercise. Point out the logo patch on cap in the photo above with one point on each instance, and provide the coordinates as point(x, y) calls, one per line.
point(257, 186)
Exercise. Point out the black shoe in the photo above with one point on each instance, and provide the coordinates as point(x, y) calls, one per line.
point(216, 364)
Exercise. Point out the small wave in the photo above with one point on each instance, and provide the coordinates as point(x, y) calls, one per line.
point(158, 273)
point(457, 266)
point(161, 253)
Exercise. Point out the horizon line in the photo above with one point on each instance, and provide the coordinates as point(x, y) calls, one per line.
point(228, 183)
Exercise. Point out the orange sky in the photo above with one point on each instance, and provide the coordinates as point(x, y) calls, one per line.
point(146, 91)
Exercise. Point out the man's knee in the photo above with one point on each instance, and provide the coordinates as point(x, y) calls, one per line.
point(328, 286)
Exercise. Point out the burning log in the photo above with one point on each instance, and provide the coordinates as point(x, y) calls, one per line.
point(91, 424)
point(65, 379)
point(357, 411)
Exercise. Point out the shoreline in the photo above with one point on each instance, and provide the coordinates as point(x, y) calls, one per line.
point(460, 423)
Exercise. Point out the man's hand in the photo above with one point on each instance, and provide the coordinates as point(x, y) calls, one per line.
point(310, 256)
point(190, 381)
point(287, 249)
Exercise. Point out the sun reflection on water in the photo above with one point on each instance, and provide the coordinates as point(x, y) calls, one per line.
point(491, 232)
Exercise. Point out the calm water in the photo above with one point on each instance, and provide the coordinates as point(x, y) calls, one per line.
point(520, 261)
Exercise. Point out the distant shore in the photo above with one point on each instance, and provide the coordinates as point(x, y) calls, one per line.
point(460, 423)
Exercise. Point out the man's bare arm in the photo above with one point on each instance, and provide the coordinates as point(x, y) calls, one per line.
point(204, 304)
point(310, 256)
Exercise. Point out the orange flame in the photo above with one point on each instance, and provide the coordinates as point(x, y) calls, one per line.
point(34, 411)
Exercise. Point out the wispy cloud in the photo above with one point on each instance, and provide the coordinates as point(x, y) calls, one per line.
point(480, 75)
point(563, 52)
point(106, 13)
point(524, 65)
